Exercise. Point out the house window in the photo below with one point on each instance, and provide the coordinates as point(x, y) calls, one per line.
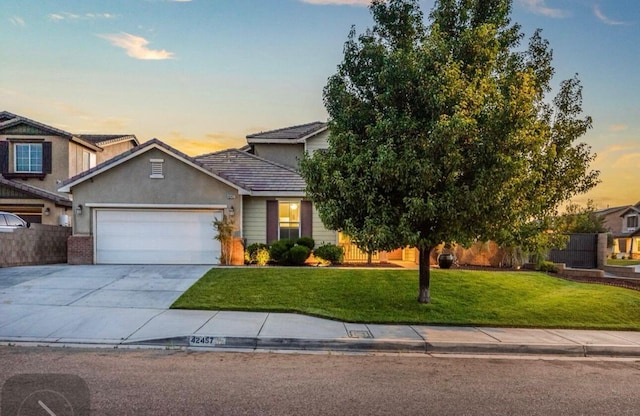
point(88, 160)
point(157, 171)
point(28, 157)
point(289, 220)
point(632, 221)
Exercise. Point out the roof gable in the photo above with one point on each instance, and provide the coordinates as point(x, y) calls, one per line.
point(12, 124)
point(634, 210)
point(108, 139)
point(137, 151)
point(288, 135)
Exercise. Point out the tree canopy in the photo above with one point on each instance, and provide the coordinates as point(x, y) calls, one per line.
point(445, 132)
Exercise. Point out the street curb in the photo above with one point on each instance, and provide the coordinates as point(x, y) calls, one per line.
point(574, 350)
point(393, 345)
point(350, 345)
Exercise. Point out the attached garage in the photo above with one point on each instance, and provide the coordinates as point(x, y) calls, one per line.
point(156, 236)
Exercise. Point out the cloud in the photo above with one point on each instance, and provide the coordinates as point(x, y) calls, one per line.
point(136, 46)
point(539, 7)
point(618, 127)
point(339, 2)
point(605, 19)
point(58, 17)
point(17, 21)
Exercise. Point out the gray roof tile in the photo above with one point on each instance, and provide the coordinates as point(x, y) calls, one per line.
point(252, 172)
point(292, 133)
point(37, 192)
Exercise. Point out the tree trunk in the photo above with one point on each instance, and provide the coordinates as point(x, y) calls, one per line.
point(424, 295)
point(369, 257)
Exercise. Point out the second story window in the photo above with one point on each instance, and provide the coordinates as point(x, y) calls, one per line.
point(632, 221)
point(28, 157)
point(88, 160)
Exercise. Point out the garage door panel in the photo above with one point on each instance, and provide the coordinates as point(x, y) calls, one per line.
point(156, 237)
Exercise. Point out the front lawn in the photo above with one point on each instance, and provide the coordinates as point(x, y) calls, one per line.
point(459, 297)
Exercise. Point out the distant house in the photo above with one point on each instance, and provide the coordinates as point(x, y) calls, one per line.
point(624, 224)
point(286, 146)
point(628, 240)
point(35, 158)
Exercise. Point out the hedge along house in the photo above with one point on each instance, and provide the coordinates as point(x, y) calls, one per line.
point(156, 205)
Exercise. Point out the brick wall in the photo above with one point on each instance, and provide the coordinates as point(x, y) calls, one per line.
point(40, 244)
point(80, 249)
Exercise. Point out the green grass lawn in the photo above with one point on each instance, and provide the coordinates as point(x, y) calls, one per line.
point(459, 297)
point(619, 262)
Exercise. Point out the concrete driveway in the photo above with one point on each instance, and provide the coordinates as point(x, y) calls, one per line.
point(81, 303)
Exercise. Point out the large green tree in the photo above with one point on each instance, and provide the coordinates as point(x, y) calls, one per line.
point(444, 132)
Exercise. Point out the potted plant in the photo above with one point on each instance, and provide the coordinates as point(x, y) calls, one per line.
point(446, 258)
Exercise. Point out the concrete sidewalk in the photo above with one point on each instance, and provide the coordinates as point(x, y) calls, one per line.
point(129, 306)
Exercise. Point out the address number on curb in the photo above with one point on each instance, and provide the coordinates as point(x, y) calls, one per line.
point(200, 341)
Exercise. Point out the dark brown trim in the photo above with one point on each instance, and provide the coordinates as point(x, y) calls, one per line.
point(4, 158)
point(306, 219)
point(272, 221)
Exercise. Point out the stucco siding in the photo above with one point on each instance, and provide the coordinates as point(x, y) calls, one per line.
point(76, 158)
point(284, 154)
point(320, 141)
point(59, 160)
point(130, 183)
point(112, 150)
point(255, 220)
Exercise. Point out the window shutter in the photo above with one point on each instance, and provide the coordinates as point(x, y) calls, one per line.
point(272, 221)
point(4, 158)
point(47, 158)
point(306, 219)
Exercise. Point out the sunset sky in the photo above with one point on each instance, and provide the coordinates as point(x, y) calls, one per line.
point(202, 74)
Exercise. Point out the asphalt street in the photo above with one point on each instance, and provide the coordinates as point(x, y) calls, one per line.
point(165, 382)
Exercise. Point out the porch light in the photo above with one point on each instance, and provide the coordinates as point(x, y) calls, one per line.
point(232, 211)
point(79, 209)
point(46, 211)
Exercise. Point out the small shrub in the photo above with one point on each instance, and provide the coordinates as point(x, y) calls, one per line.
point(279, 251)
point(547, 267)
point(307, 242)
point(253, 249)
point(247, 257)
point(330, 252)
point(262, 257)
point(623, 258)
point(298, 255)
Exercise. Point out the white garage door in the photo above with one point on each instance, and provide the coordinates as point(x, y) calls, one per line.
point(156, 237)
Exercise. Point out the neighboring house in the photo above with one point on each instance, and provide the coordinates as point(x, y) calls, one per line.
point(287, 145)
point(35, 158)
point(154, 204)
point(627, 241)
point(611, 218)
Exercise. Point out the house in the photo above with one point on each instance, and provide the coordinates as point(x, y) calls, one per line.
point(35, 158)
point(154, 204)
point(288, 145)
point(627, 239)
